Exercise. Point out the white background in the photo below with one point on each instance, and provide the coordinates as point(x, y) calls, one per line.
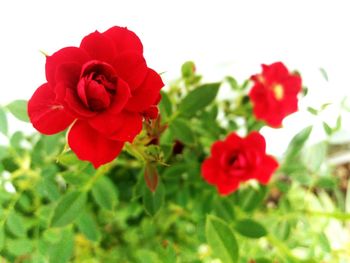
point(222, 37)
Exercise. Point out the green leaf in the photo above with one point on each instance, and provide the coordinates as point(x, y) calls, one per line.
point(250, 228)
point(224, 209)
point(153, 201)
point(283, 230)
point(15, 224)
point(52, 235)
point(105, 193)
point(68, 208)
point(313, 111)
point(2, 238)
point(233, 83)
point(198, 99)
point(68, 159)
point(315, 155)
point(3, 122)
point(338, 123)
point(18, 247)
point(19, 109)
point(297, 143)
point(3, 152)
point(181, 130)
point(221, 239)
point(88, 226)
point(165, 105)
point(250, 198)
point(62, 251)
point(327, 128)
point(324, 73)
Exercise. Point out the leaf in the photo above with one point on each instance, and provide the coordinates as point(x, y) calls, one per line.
point(2, 238)
point(18, 247)
point(198, 99)
point(3, 122)
point(250, 228)
point(313, 111)
point(52, 235)
point(15, 224)
point(221, 239)
point(338, 123)
point(88, 226)
point(233, 83)
point(165, 105)
point(153, 201)
point(297, 143)
point(224, 209)
point(283, 230)
point(250, 198)
point(105, 193)
point(151, 176)
point(314, 156)
point(182, 131)
point(62, 251)
point(19, 109)
point(68, 208)
point(327, 128)
point(324, 74)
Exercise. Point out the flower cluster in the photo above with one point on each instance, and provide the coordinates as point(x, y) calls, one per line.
point(236, 159)
point(103, 90)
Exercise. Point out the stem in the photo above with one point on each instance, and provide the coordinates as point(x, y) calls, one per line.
point(334, 215)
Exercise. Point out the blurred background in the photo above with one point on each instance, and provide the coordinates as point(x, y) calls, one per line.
point(223, 38)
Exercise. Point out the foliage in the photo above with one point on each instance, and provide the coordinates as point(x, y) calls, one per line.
point(55, 208)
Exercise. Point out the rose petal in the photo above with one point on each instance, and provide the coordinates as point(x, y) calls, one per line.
point(90, 145)
point(74, 104)
point(64, 55)
point(210, 170)
point(120, 98)
point(226, 189)
point(122, 127)
point(132, 68)
point(233, 141)
point(268, 167)
point(255, 141)
point(68, 73)
point(99, 47)
point(146, 95)
point(47, 115)
point(124, 39)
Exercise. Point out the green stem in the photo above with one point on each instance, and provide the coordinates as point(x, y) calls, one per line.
point(334, 215)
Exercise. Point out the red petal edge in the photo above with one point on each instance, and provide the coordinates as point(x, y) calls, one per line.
point(90, 145)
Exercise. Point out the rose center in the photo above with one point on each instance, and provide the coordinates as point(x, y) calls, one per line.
point(278, 91)
point(97, 85)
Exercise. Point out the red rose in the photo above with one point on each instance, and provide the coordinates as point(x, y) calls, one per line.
point(274, 94)
point(101, 89)
point(236, 160)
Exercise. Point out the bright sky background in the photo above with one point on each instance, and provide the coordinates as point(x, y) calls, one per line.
point(222, 37)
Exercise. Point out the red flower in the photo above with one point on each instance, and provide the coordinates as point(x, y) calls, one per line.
point(236, 160)
point(101, 89)
point(274, 94)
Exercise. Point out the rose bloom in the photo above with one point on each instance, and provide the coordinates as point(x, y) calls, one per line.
point(237, 160)
point(274, 94)
point(101, 89)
